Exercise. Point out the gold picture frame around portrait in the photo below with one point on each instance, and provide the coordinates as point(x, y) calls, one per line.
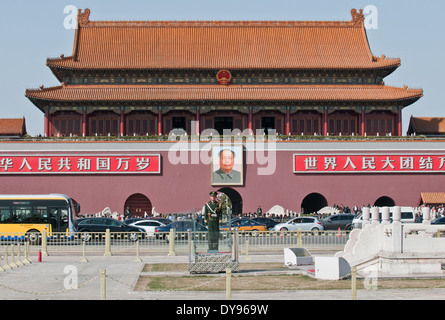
point(227, 165)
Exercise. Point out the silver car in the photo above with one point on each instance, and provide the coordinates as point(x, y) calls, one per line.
point(303, 223)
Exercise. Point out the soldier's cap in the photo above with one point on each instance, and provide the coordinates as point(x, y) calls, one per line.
point(213, 194)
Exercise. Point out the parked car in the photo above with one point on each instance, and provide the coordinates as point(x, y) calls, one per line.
point(87, 226)
point(77, 221)
point(440, 220)
point(407, 216)
point(340, 220)
point(148, 225)
point(245, 224)
point(133, 220)
point(269, 223)
point(182, 227)
point(300, 223)
point(163, 220)
point(357, 221)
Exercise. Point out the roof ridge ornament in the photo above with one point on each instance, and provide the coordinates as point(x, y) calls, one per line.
point(83, 18)
point(357, 17)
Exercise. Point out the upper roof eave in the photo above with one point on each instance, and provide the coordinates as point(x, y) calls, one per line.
point(269, 44)
point(64, 64)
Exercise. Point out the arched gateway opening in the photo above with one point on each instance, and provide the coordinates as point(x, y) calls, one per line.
point(313, 202)
point(384, 202)
point(138, 205)
point(235, 198)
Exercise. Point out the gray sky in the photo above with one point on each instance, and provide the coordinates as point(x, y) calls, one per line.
point(32, 31)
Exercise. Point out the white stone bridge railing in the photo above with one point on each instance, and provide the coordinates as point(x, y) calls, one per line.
point(396, 248)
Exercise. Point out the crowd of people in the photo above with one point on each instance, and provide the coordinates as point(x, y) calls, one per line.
point(435, 212)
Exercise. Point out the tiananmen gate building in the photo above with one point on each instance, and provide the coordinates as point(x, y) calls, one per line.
point(146, 78)
point(149, 77)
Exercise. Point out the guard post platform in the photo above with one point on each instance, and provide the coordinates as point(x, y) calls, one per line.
point(202, 260)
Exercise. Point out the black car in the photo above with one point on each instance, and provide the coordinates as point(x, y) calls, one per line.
point(440, 220)
point(266, 221)
point(87, 226)
point(77, 221)
point(341, 220)
point(181, 228)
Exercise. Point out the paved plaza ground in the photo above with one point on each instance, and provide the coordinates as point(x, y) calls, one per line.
point(48, 280)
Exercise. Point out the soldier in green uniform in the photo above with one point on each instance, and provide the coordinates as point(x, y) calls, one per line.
point(212, 217)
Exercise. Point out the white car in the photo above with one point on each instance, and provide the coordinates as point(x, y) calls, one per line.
point(407, 216)
point(303, 223)
point(148, 225)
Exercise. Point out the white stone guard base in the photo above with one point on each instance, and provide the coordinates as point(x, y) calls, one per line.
point(394, 249)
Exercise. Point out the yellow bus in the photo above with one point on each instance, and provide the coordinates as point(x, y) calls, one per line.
point(28, 215)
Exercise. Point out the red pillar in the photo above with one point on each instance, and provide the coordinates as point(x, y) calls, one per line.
point(198, 118)
point(160, 121)
point(50, 125)
point(250, 121)
point(46, 124)
point(84, 123)
point(287, 121)
point(399, 123)
point(362, 124)
point(325, 122)
point(122, 123)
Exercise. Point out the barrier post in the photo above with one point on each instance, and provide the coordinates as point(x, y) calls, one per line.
point(235, 246)
point(107, 243)
point(103, 284)
point(6, 266)
point(44, 243)
point(247, 250)
point(19, 261)
point(84, 258)
point(228, 284)
point(27, 260)
point(299, 239)
point(138, 259)
point(12, 264)
point(354, 282)
point(171, 251)
point(1, 269)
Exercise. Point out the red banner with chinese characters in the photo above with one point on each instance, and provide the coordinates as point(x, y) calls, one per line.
point(368, 163)
point(80, 164)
